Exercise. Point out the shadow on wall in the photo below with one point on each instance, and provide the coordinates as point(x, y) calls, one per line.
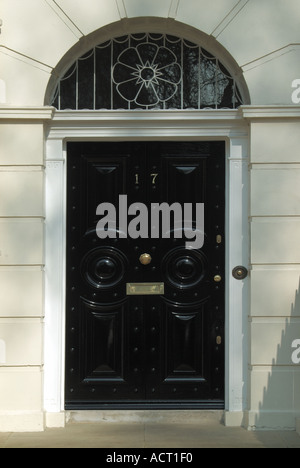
point(280, 403)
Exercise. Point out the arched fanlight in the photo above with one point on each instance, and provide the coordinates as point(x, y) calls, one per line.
point(147, 71)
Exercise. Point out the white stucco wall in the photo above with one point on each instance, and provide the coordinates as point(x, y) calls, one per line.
point(263, 39)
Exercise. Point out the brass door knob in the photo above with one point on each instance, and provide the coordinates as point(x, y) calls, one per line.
point(145, 259)
point(240, 272)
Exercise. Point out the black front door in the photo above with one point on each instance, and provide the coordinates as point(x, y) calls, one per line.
point(145, 306)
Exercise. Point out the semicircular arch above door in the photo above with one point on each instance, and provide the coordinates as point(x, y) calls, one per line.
point(147, 71)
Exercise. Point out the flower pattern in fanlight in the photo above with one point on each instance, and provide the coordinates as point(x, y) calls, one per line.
point(147, 75)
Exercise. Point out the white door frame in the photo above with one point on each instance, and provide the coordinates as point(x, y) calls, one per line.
point(228, 125)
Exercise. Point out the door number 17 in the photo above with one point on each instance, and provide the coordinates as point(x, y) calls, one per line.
point(153, 176)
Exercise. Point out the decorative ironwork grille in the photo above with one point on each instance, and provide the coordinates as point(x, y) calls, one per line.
point(147, 71)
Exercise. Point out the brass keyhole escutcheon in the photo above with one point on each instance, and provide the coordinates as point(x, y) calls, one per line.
point(145, 259)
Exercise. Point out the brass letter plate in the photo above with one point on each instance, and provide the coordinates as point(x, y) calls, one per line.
point(145, 289)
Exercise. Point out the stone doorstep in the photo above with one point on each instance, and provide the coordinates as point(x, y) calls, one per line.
point(147, 416)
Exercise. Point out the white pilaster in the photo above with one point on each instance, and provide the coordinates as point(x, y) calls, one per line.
point(54, 278)
point(237, 290)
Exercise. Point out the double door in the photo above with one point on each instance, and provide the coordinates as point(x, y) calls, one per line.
point(145, 306)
